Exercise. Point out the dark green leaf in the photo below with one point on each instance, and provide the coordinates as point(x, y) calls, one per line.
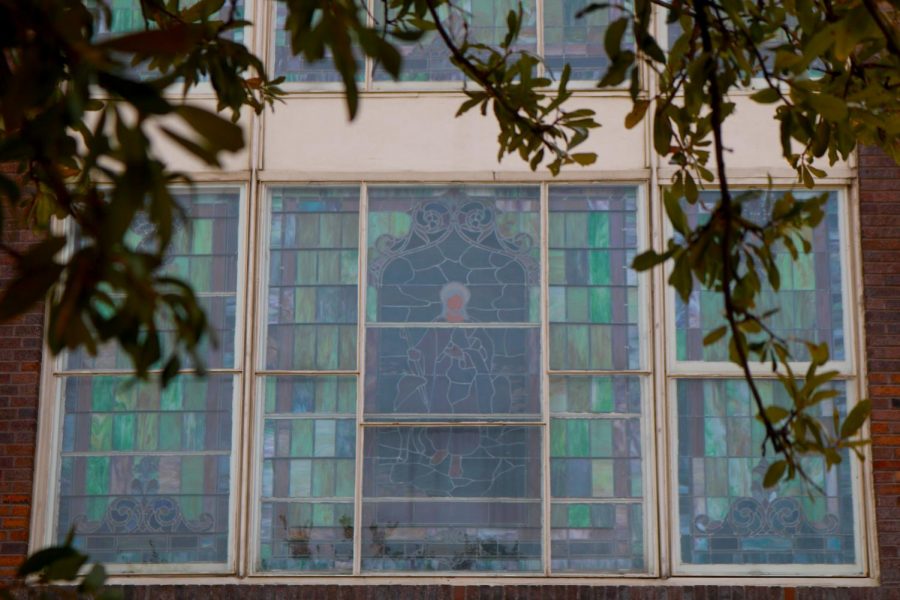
point(856, 418)
point(774, 473)
point(220, 132)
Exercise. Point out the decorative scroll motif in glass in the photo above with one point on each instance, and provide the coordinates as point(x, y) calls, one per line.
point(578, 40)
point(593, 292)
point(453, 303)
point(452, 499)
point(313, 272)
point(428, 59)
point(309, 445)
point(809, 303)
point(725, 515)
point(296, 68)
point(145, 473)
point(596, 473)
point(204, 252)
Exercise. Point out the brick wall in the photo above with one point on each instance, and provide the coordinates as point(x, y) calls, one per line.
point(879, 181)
point(880, 220)
point(20, 356)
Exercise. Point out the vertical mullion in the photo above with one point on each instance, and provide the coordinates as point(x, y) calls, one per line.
point(539, 30)
point(853, 336)
point(259, 317)
point(362, 282)
point(667, 512)
point(48, 445)
point(368, 65)
point(651, 427)
point(242, 396)
point(545, 378)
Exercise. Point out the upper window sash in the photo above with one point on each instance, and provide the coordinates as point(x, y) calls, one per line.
point(813, 300)
point(550, 29)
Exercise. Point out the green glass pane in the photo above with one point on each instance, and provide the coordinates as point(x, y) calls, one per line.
point(593, 237)
point(808, 304)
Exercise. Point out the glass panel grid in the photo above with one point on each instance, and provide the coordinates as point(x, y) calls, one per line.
point(452, 499)
point(593, 292)
point(809, 301)
point(597, 474)
point(308, 477)
point(566, 39)
point(296, 69)
point(145, 473)
point(725, 516)
point(204, 252)
point(127, 17)
point(313, 279)
point(578, 41)
point(428, 59)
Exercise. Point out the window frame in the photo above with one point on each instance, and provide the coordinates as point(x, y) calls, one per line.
point(850, 372)
point(659, 421)
point(52, 412)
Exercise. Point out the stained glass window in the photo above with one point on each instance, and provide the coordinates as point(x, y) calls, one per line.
point(453, 303)
point(126, 16)
point(203, 251)
point(452, 499)
point(313, 271)
point(725, 514)
point(428, 59)
point(145, 473)
point(453, 334)
point(593, 292)
point(296, 68)
point(448, 379)
point(596, 447)
point(308, 445)
point(809, 303)
point(308, 433)
point(577, 40)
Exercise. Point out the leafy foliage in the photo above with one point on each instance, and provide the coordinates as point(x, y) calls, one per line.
point(59, 572)
point(75, 121)
point(833, 70)
point(73, 116)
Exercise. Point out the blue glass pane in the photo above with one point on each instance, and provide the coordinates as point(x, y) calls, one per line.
point(308, 468)
point(452, 499)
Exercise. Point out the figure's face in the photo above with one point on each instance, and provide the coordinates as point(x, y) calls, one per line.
point(455, 302)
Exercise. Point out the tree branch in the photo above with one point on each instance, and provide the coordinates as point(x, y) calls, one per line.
point(725, 209)
point(876, 14)
point(484, 81)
